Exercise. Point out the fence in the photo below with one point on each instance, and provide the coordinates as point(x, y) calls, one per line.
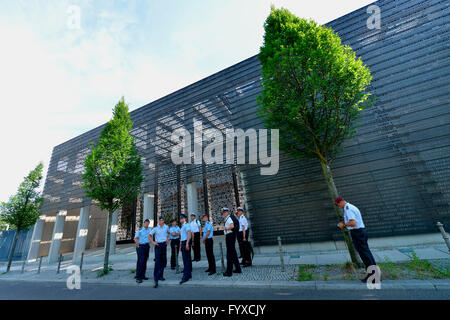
point(23, 243)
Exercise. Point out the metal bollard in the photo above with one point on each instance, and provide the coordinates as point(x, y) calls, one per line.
point(40, 262)
point(444, 234)
point(23, 265)
point(281, 253)
point(221, 257)
point(59, 262)
point(81, 261)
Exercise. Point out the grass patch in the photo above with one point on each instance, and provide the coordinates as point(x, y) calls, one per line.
point(133, 271)
point(103, 272)
point(305, 273)
point(390, 270)
point(415, 268)
point(424, 269)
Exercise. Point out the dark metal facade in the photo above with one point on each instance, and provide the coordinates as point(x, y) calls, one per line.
point(396, 169)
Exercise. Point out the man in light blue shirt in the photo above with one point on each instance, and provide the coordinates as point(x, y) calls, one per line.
point(142, 249)
point(174, 243)
point(209, 244)
point(353, 221)
point(161, 234)
point(184, 248)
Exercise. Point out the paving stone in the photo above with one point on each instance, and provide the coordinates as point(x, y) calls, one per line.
point(392, 255)
point(332, 258)
point(431, 253)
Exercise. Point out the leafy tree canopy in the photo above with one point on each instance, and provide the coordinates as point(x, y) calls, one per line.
point(23, 208)
point(314, 87)
point(113, 169)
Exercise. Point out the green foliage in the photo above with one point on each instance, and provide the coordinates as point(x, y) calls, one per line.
point(22, 209)
point(104, 272)
point(113, 169)
point(313, 86)
point(3, 225)
point(305, 273)
point(423, 268)
point(390, 270)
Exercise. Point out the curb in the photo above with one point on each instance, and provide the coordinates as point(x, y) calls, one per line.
point(306, 285)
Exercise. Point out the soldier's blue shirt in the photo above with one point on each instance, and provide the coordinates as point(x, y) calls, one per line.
point(159, 233)
point(142, 235)
point(173, 229)
point(352, 213)
point(184, 230)
point(208, 227)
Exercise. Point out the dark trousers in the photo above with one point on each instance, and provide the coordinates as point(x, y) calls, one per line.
point(142, 257)
point(209, 244)
point(244, 247)
point(196, 246)
point(160, 260)
point(359, 239)
point(175, 246)
point(232, 258)
point(187, 263)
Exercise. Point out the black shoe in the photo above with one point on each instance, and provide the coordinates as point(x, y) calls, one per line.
point(207, 270)
point(237, 271)
point(144, 278)
point(138, 280)
point(211, 273)
point(156, 285)
point(173, 268)
point(184, 280)
point(162, 279)
point(365, 278)
point(227, 274)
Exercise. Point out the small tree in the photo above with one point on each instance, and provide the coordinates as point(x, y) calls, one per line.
point(23, 208)
point(313, 90)
point(113, 169)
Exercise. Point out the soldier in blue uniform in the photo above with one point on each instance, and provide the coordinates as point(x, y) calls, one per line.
point(142, 250)
point(209, 245)
point(161, 234)
point(185, 249)
point(174, 243)
point(354, 223)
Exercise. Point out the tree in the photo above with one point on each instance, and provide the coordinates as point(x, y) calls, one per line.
point(313, 89)
point(23, 208)
point(113, 169)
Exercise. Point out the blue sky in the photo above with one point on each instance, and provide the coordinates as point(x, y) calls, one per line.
point(58, 81)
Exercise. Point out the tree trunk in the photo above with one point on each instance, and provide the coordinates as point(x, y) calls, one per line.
point(334, 194)
point(11, 254)
point(107, 243)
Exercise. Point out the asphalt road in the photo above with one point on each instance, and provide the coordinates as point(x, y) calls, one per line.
point(59, 291)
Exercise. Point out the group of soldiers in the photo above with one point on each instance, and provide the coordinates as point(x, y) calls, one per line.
point(188, 237)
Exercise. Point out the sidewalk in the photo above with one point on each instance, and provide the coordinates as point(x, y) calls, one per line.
point(265, 273)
